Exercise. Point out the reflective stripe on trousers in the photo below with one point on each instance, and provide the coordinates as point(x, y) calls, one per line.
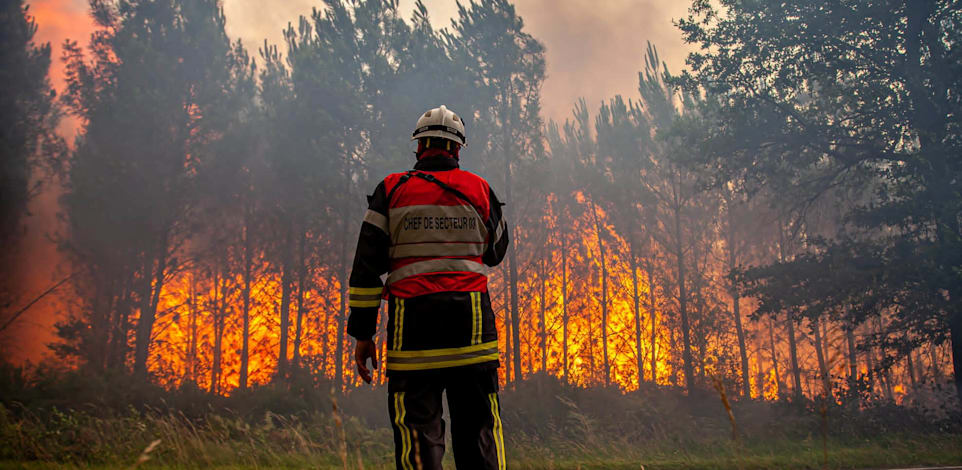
point(497, 431)
point(407, 438)
point(442, 358)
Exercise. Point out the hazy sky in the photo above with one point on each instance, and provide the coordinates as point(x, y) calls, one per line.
point(595, 49)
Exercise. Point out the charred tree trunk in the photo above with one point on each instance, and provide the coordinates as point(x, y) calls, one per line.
point(771, 343)
point(733, 292)
point(820, 354)
point(102, 304)
point(793, 355)
point(683, 303)
point(654, 323)
point(153, 285)
point(637, 311)
point(342, 309)
point(790, 322)
point(246, 309)
point(117, 357)
point(886, 373)
point(508, 347)
point(509, 217)
point(564, 305)
point(192, 346)
point(219, 305)
point(910, 366)
point(301, 281)
point(604, 295)
point(544, 329)
point(955, 331)
point(852, 355)
point(740, 331)
point(285, 313)
point(515, 313)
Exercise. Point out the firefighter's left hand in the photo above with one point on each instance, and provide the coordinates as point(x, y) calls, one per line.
point(362, 351)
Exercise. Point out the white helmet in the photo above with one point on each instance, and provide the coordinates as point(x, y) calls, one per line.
point(440, 122)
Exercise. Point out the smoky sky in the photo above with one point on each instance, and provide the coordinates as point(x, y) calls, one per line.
point(595, 48)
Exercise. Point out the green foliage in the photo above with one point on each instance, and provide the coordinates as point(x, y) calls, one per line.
point(850, 106)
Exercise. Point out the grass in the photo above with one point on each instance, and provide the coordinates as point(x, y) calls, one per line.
point(896, 451)
point(548, 426)
point(82, 441)
point(806, 454)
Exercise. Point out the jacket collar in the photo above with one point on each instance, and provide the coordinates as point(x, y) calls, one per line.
point(436, 163)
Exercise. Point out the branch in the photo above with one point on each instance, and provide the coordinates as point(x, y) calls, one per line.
point(32, 302)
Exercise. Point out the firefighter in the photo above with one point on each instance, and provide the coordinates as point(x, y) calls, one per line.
point(432, 230)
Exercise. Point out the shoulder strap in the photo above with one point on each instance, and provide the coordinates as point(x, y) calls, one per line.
point(404, 178)
point(430, 178)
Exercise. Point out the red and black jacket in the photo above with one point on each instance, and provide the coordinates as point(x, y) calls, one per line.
point(432, 230)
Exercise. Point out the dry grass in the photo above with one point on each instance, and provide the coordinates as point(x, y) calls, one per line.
point(548, 426)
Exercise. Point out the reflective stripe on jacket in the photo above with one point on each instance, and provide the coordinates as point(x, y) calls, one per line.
point(432, 230)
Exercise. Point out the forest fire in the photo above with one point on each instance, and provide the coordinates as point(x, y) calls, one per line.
point(198, 336)
point(768, 234)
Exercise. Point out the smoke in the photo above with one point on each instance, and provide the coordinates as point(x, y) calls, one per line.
point(38, 263)
point(594, 50)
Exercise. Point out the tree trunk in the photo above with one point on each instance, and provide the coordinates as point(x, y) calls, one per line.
point(604, 295)
point(544, 328)
point(508, 349)
point(852, 355)
point(635, 299)
point(673, 360)
point(515, 313)
point(285, 313)
point(820, 354)
point(884, 369)
point(761, 374)
point(117, 358)
point(736, 312)
point(301, 278)
point(218, 318)
point(793, 355)
point(145, 324)
point(733, 292)
point(771, 342)
point(192, 346)
point(564, 306)
point(246, 312)
point(342, 310)
point(654, 323)
point(934, 364)
point(955, 330)
point(683, 306)
point(910, 365)
point(509, 218)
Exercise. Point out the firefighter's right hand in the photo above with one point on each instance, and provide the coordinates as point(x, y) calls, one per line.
point(362, 351)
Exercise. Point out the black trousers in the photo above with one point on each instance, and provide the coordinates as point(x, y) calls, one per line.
point(414, 404)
